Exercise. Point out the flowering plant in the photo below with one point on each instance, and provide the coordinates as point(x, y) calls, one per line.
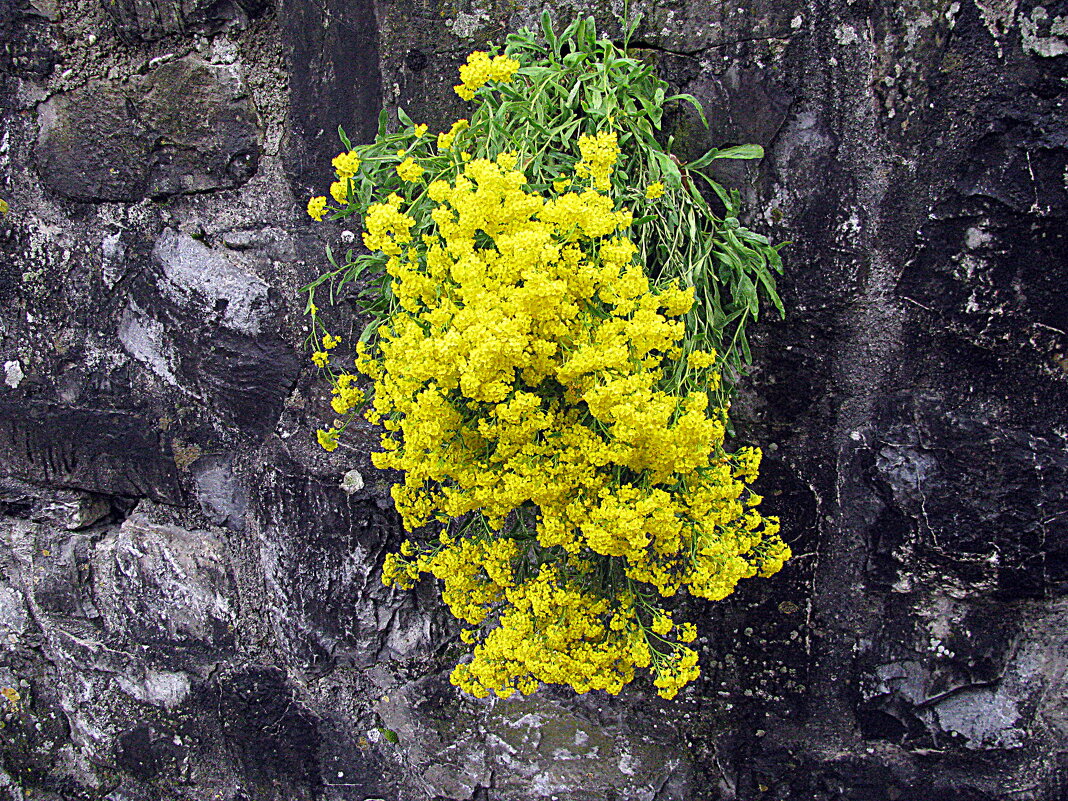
point(554, 306)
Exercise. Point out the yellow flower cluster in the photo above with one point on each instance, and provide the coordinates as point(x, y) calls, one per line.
point(387, 227)
point(445, 140)
point(480, 69)
point(347, 396)
point(599, 155)
point(339, 191)
point(346, 165)
point(526, 375)
point(409, 170)
point(654, 190)
point(327, 438)
point(317, 208)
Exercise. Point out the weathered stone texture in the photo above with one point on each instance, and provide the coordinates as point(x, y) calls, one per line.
point(190, 596)
point(147, 20)
point(187, 126)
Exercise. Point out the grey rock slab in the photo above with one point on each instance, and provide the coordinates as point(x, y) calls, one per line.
point(14, 616)
point(206, 127)
point(220, 494)
point(162, 688)
point(148, 20)
point(207, 283)
point(169, 591)
point(68, 509)
point(688, 27)
point(204, 324)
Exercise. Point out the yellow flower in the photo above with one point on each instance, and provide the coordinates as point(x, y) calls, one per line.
point(321, 358)
point(347, 396)
point(599, 154)
point(346, 165)
point(387, 227)
point(480, 69)
point(339, 191)
point(409, 170)
point(687, 632)
point(445, 139)
point(701, 359)
point(654, 190)
point(327, 438)
point(420, 129)
point(330, 341)
point(317, 208)
point(662, 624)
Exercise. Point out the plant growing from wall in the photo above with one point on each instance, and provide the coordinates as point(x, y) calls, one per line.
point(554, 307)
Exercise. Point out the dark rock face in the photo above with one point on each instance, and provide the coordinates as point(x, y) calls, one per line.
point(334, 80)
point(187, 126)
point(110, 452)
point(321, 554)
point(26, 51)
point(190, 595)
point(112, 148)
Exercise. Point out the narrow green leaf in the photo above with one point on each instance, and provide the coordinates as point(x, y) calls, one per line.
point(688, 98)
point(547, 30)
point(741, 152)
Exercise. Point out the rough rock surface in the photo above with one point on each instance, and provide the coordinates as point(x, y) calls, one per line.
point(186, 126)
point(190, 601)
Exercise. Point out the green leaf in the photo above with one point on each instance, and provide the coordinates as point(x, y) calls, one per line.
point(547, 30)
point(741, 152)
point(344, 139)
point(569, 32)
point(668, 170)
point(693, 102)
point(389, 734)
point(403, 117)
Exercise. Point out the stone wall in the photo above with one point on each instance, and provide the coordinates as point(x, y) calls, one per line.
point(190, 603)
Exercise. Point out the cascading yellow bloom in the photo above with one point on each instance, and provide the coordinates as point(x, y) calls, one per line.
point(524, 370)
point(538, 393)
